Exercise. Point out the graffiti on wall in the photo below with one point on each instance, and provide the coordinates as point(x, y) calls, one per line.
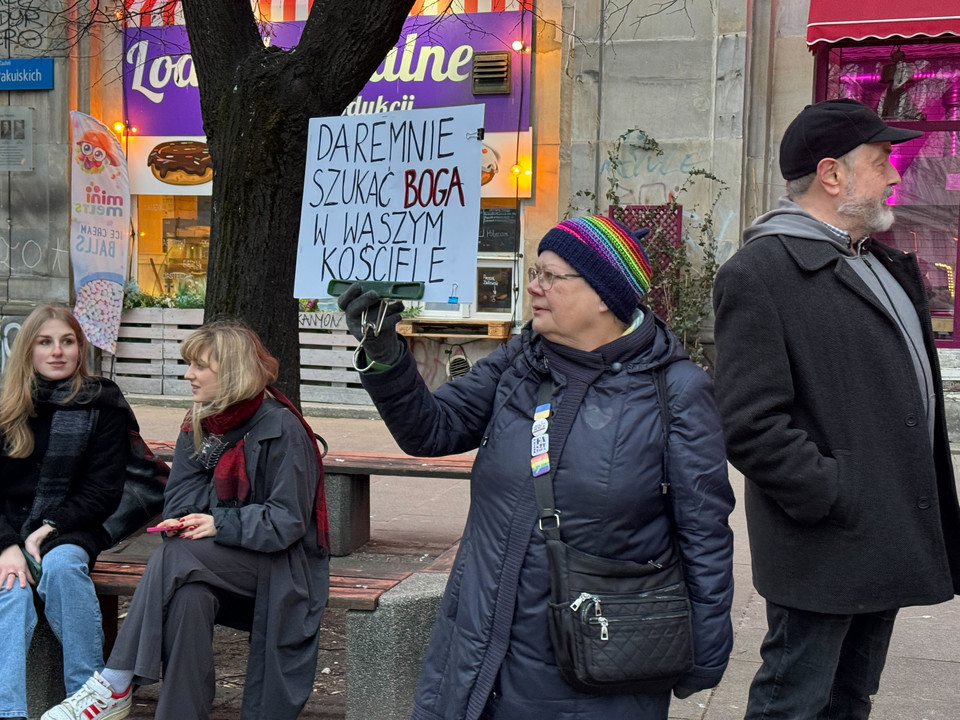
point(324, 320)
point(29, 255)
point(639, 171)
point(433, 357)
point(9, 327)
point(23, 24)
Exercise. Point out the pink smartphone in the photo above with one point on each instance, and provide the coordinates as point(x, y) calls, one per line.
point(158, 528)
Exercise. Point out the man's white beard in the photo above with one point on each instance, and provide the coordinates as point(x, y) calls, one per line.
point(872, 216)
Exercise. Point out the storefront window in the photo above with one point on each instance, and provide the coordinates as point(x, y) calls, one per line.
point(916, 86)
point(174, 242)
point(498, 243)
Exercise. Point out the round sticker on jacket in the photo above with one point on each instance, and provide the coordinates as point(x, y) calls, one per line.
point(540, 426)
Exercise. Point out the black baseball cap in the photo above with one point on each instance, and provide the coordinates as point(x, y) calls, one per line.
point(831, 129)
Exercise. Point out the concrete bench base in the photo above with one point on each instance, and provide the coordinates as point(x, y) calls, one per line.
point(385, 648)
point(348, 510)
point(44, 671)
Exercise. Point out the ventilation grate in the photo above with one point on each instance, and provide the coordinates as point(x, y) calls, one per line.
point(490, 73)
point(457, 365)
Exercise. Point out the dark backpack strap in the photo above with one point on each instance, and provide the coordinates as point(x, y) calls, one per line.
point(323, 444)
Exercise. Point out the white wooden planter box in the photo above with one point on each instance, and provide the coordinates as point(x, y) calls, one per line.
point(148, 355)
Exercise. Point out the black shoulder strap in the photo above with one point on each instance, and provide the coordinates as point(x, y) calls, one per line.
point(665, 418)
point(232, 437)
point(543, 484)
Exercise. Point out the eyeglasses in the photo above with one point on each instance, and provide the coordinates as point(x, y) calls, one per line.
point(545, 278)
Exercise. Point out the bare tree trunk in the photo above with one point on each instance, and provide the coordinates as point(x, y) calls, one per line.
point(256, 103)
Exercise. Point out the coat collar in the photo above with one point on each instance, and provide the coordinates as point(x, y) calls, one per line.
point(814, 255)
point(811, 255)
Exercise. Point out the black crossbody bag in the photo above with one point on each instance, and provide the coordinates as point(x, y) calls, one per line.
point(617, 626)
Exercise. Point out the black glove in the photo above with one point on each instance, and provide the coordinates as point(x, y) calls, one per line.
point(383, 347)
point(683, 692)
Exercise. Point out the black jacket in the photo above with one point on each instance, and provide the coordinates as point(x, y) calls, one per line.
point(98, 477)
point(849, 508)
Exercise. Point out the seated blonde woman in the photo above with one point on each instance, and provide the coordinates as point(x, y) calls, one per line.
point(246, 535)
point(65, 440)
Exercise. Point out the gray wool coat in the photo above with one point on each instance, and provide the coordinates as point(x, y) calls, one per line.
point(849, 508)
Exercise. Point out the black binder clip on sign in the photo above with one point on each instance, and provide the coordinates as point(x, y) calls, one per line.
point(387, 291)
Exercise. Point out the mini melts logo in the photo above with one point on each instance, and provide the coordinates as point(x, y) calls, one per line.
point(98, 202)
point(94, 152)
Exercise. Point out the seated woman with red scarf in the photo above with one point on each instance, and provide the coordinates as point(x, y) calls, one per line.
point(246, 544)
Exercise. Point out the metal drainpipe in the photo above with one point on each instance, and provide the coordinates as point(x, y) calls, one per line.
point(596, 156)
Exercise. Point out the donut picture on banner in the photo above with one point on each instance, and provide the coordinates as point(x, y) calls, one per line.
point(181, 162)
point(489, 164)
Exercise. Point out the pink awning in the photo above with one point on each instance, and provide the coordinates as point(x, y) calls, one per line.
point(833, 20)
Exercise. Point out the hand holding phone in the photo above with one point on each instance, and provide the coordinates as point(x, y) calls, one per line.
point(33, 566)
point(163, 528)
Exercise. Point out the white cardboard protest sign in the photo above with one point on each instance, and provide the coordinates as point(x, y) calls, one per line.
point(392, 197)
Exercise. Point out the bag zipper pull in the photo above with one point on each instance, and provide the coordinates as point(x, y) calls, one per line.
point(579, 601)
point(604, 634)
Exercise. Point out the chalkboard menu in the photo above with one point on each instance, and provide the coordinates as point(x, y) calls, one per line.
point(499, 229)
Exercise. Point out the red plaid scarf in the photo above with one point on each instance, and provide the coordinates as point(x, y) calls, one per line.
point(230, 475)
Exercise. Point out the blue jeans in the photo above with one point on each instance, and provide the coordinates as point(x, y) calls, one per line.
point(819, 667)
point(71, 608)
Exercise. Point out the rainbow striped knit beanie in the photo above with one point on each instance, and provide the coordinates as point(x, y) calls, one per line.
point(609, 257)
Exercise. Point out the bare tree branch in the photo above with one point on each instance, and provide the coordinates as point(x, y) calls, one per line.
point(668, 7)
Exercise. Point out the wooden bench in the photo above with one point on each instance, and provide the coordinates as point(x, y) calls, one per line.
point(348, 486)
point(359, 589)
point(116, 574)
point(355, 589)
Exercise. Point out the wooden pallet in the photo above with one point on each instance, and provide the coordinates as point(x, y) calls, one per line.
point(453, 328)
point(148, 355)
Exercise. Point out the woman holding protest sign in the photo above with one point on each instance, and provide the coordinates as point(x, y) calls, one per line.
point(595, 401)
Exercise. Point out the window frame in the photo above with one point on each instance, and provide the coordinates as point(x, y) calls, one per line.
point(821, 87)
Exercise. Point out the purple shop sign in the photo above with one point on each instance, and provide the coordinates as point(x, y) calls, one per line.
point(430, 67)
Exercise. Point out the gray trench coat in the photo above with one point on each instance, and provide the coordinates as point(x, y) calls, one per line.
point(278, 521)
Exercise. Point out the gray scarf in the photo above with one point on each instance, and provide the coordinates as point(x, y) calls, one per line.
point(70, 429)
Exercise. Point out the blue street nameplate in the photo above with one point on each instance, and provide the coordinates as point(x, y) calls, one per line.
point(26, 73)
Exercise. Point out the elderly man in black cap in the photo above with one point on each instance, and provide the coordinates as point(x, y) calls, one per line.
point(829, 387)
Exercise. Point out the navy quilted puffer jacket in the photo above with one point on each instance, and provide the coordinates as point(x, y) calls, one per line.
point(491, 634)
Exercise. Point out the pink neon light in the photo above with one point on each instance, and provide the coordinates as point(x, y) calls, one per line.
point(874, 77)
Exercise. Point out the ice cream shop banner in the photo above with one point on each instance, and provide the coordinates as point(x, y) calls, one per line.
point(429, 67)
point(99, 228)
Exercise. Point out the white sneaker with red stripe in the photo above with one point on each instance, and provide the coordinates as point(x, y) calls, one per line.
point(94, 701)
